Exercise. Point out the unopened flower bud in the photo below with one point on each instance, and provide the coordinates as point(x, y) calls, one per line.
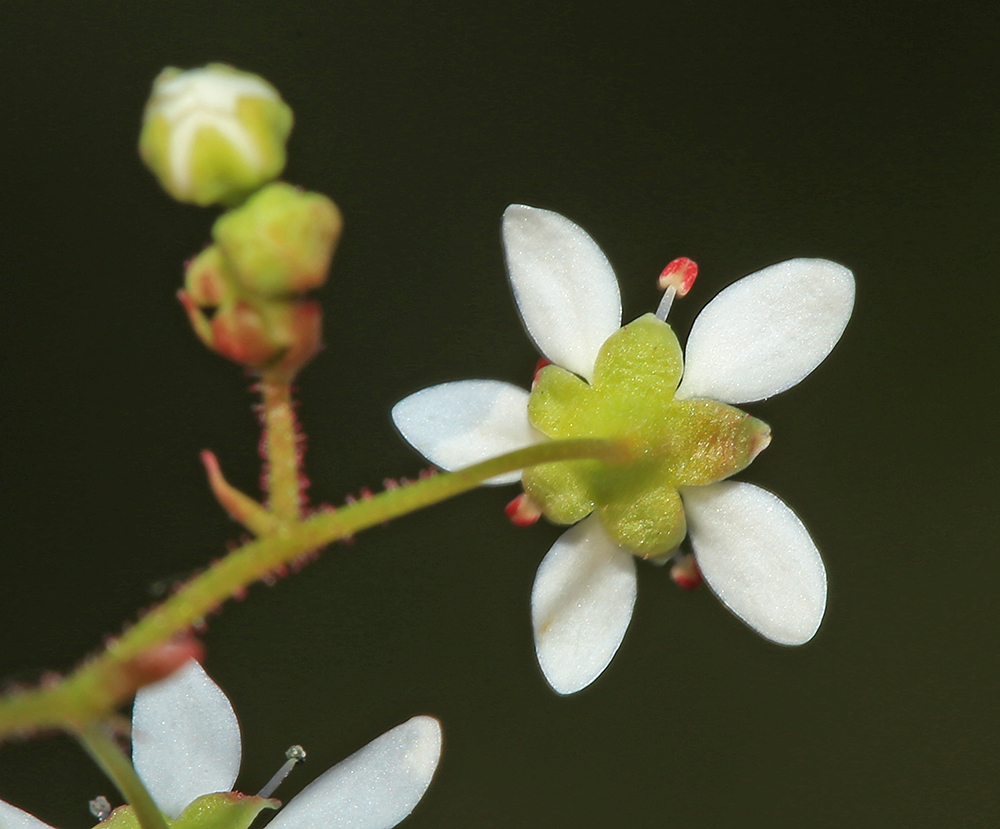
point(300, 324)
point(240, 331)
point(207, 279)
point(214, 135)
point(274, 336)
point(280, 241)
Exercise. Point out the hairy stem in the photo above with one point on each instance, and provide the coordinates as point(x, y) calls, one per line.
point(105, 682)
point(281, 451)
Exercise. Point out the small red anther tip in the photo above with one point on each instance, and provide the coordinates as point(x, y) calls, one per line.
point(686, 573)
point(681, 274)
point(522, 512)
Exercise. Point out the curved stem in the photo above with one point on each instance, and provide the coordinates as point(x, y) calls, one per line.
point(103, 749)
point(102, 684)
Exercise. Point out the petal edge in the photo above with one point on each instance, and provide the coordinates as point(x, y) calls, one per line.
point(457, 424)
point(374, 788)
point(581, 605)
point(185, 739)
point(767, 331)
point(564, 286)
point(758, 558)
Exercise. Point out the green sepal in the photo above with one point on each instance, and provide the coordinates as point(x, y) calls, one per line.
point(226, 810)
point(209, 280)
point(280, 241)
point(641, 355)
point(672, 443)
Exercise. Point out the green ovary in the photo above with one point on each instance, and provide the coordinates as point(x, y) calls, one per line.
point(672, 443)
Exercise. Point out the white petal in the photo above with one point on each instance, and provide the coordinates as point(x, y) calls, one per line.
point(563, 284)
point(13, 818)
point(581, 605)
point(374, 788)
point(185, 739)
point(767, 331)
point(457, 424)
point(758, 559)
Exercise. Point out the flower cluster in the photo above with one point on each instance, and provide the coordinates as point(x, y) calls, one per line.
point(674, 416)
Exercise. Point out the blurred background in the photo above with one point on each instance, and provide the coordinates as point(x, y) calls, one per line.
point(738, 134)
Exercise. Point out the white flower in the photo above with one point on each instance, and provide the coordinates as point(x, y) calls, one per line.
point(760, 336)
point(186, 743)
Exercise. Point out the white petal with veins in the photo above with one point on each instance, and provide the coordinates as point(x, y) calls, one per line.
point(185, 739)
point(581, 605)
point(758, 558)
point(374, 788)
point(457, 424)
point(13, 818)
point(767, 331)
point(564, 286)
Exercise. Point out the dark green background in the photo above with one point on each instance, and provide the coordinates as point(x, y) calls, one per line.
point(738, 134)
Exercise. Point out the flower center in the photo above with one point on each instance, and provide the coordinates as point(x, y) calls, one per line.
point(674, 442)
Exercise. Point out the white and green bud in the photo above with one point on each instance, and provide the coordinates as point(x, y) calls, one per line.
point(214, 135)
point(280, 241)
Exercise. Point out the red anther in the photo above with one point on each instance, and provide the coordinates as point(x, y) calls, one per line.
point(685, 572)
point(681, 274)
point(161, 661)
point(522, 511)
point(542, 363)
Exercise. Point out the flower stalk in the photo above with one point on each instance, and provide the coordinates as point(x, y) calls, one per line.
point(105, 682)
point(104, 751)
point(279, 446)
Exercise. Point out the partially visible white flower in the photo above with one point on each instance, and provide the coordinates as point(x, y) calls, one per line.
point(760, 336)
point(186, 743)
point(215, 134)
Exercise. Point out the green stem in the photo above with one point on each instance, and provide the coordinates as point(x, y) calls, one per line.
point(106, 753)
point(102, 684)
point(284, 488)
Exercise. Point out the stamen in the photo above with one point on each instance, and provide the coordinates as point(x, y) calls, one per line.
point(100, 808)
point(675, 280)
point(685, 571)
point(522, 511)
point(294, 755)
point(664, 307)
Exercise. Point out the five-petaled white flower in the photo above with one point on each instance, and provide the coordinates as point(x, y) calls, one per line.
point(186, 744)
point(760, 336)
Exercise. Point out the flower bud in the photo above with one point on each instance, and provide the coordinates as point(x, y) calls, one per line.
point(214, 135)
point(280, 242)
point(208, 281)
point(274, 336)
